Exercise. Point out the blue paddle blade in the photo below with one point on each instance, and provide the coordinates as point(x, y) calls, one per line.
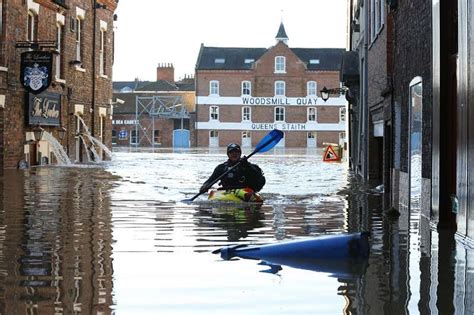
point(269, 141)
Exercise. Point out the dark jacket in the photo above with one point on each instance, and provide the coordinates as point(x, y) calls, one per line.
point(244, 175)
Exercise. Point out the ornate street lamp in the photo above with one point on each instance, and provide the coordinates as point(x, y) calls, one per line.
point(325, 92)
point(38, 132)
point(62, 133)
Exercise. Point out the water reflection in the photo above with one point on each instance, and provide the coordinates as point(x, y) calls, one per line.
point(56, 249)
point(92, 240)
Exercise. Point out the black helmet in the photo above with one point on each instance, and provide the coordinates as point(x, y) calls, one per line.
point(233, 147)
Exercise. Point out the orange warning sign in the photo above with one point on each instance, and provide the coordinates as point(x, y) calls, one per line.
point(330, 155)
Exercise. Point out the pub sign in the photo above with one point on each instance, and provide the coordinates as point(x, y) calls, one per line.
point(44, 109)
point(36, 70)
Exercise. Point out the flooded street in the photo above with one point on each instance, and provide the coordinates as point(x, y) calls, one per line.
point(118, 239)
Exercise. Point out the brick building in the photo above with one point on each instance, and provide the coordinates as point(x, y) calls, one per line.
point(242, 93)
point(421, 52)
point(154, 113)
point(80, 33)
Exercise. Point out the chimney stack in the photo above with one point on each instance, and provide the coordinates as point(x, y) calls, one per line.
point(165, 71)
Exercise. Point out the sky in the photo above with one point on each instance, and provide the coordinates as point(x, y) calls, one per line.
point(150, 32)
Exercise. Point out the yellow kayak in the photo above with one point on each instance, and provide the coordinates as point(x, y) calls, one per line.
point(236, 195)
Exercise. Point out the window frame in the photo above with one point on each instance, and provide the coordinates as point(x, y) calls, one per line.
point(214, 111)
point(279, 114)
point(102, 53)
point(79, 39)
point(214, 88)
point(59, 58)
point(280, 64)
point(32, 26)
point(134, 136)
point(342, 114)
point(248, 114)
point(249, 88)
point(277, 88)
point(311, 91)
point(310, 115)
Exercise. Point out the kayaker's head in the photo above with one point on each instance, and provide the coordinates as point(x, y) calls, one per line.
point(234, 152)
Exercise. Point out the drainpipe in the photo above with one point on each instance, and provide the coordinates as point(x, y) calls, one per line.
point(365, 96)
point(94, 29)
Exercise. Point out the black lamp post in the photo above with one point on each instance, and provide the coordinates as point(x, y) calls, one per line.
point(38, 132)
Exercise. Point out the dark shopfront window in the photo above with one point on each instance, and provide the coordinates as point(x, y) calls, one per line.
point(114, 136)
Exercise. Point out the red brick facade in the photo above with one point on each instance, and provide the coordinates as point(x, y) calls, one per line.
point(230, 125)
point(83, 88)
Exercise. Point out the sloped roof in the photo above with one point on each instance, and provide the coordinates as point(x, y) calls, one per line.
point(281, 32)
point(234, 58)
point(132, 85)
point(160, 85)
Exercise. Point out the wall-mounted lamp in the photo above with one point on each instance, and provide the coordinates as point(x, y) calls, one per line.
point(62, 133)
point(325, 92)
point(38, 132)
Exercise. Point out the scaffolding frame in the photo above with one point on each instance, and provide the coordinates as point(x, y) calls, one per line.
point(156, 106)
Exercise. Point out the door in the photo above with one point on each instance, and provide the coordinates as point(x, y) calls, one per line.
point(180, 138)
point(214, 139)
point(311, 139)
point(246, 139)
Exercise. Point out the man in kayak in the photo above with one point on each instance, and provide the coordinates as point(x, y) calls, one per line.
point(244, 175)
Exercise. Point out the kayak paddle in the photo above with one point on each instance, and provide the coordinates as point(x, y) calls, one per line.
point(266, 144)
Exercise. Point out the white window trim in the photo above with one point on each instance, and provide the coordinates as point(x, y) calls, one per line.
point(284, 88)
point(210, 88)
point(33, 6)
point(250, 113)
point(315, 88)
point(315, 114)
point(211, 112)
point(342, 109)
point(34, 16)
point(284, 64)
point(59, 56)
point(275, 114)
point(250, 88)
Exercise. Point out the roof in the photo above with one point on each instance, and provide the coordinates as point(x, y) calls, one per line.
point(131, 85)
point(156, 86)
point(323, 59)
point(281, 33)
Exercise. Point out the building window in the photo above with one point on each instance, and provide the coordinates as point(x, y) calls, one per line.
point(279, 88)
point(312, 114)
point(214, 87)
point(59, 49)
point(214, 134)
point(376, 17)
point(342, 114)
point(312, 135)
point(246, 88)
point(280, 64)
point(311, 88)
point(102, 55)
point(279, 113)
point(214, 112)
point(134, 136)
point(156, 137)
point(114, 136)
point(79, 35)
point(32, 26)
point(246, 113)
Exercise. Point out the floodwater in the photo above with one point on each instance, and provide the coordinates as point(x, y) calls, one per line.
point(116, 239)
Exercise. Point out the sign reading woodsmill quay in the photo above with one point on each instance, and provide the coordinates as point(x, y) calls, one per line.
point(35, 72)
